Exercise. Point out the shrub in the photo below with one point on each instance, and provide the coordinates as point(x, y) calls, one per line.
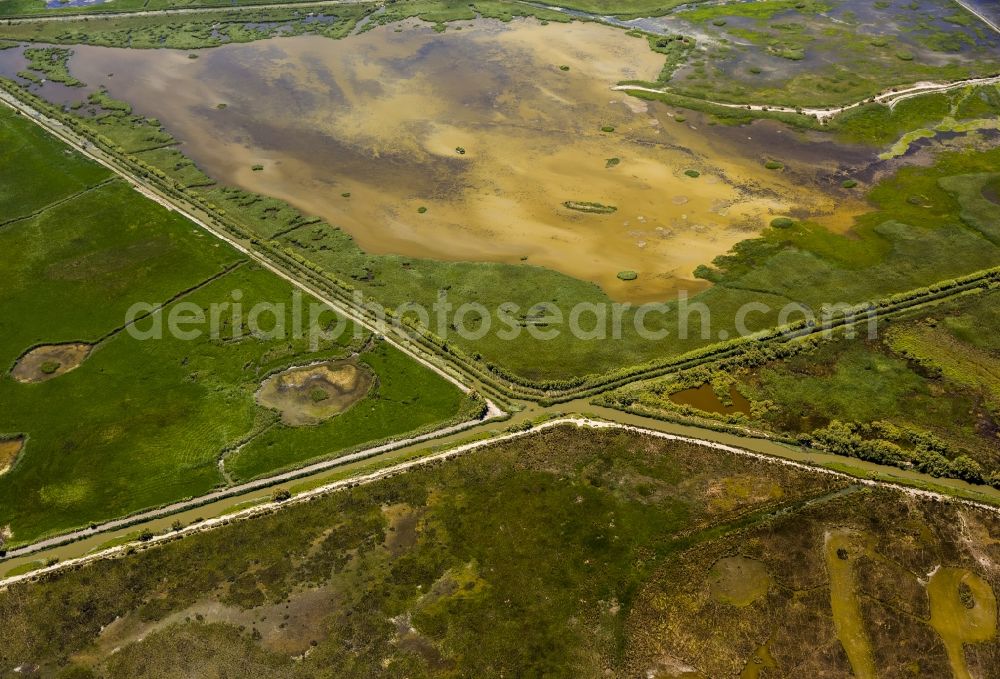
point(281, 496)
point(627, 275)
point(782, 223)
point(694, 174)
point(774, 165)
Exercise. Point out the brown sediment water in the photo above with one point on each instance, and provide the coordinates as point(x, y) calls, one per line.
point(9, 450)
point(50, 361)
point(705, 399)
point(314, 393)
point(385, 116)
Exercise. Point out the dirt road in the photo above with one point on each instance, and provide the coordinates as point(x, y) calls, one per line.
point(77, 16)
point(889, 98)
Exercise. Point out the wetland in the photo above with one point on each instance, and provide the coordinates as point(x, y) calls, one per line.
point(470, 146)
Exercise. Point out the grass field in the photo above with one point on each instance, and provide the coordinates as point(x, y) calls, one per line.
point(565, 554)
point(394, 407)
point(32, 154)
point(142, 423)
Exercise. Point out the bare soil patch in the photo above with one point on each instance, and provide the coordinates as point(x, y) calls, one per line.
point(9, 450)
point(310, 394)
point(403, 529)
point(47, 362)
point(285, 627)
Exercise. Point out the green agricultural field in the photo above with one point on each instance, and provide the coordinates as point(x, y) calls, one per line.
point(32, 155)
point(567, 553)
point(143, 423)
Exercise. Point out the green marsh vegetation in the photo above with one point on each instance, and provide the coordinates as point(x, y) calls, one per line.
point(446, 548)
point(142, 423)
point(190, 31)
point(924, 115)
point(53, 64)
point(568, 552)
point(924, 394)
point(841, 63)
point(446, 13)
point(27, 8)
point(590, 207)
point(843, 572)
point(900, 245)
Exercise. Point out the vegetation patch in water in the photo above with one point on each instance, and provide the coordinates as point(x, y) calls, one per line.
point(590, 207)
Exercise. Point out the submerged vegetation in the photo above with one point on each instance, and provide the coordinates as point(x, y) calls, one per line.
point(593, 208)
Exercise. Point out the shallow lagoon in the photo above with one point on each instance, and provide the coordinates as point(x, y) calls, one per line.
point(493, 129)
